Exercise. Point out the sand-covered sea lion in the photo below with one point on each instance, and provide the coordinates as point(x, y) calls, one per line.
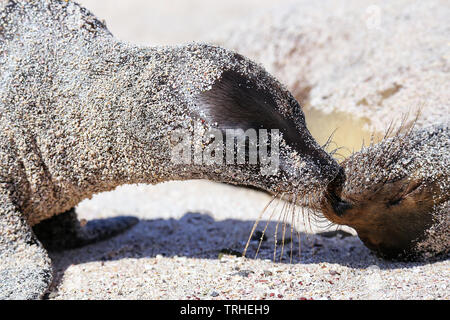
point(82, 112)
point(346, 60)
point(396, 194)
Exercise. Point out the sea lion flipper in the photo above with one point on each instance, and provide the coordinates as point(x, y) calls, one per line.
point(25, 267)
point(64, 231)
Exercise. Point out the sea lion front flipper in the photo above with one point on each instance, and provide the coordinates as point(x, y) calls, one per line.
point(25, 268)
point(64, 231)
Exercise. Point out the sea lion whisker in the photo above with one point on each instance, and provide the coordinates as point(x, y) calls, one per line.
point(309, 213)
point(299, 239)
point(329, 139)
point(276, 230)
point(389, 129)
point(303, 216)
point(267, 224)
point(292, 229)
point(283, 235)
point(257, 222)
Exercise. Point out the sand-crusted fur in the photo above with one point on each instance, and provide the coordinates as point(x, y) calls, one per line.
point(397, 194)
point(82, 112)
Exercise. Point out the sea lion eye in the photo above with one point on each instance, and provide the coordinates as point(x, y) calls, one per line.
point(394, 202)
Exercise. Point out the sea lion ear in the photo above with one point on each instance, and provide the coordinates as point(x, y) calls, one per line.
point(234, 101)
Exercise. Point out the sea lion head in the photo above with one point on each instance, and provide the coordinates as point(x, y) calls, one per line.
point(246, 97)
point(393, 192)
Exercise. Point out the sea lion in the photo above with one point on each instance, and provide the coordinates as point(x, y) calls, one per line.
point(334, 58)
point(82, 113)
point(396, 195)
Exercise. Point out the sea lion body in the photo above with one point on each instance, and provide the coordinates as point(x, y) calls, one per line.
point(82, 113)
point(396, 194)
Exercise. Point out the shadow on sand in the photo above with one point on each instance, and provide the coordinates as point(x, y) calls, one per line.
point(197, 235)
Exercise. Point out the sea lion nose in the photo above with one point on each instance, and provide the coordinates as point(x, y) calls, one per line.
point(333, 192)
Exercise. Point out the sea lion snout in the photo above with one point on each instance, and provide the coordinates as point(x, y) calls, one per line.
point(332, 201)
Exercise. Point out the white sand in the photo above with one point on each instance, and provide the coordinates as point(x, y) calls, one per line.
point(173, 252)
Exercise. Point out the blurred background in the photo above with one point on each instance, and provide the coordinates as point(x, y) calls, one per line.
point(153, 22)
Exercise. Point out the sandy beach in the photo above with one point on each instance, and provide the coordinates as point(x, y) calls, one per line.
point(174, 252)
point(190, 235)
